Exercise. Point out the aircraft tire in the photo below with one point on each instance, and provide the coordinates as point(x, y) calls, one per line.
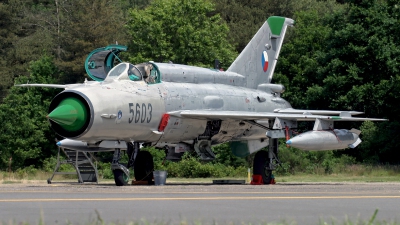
point(260, 166)
point(144, 167)
point(120, 178)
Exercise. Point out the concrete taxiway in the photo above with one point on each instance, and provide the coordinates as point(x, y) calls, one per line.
point(304, 203)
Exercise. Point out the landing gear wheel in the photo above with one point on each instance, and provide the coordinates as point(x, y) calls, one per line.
point(144, 167)
point(260, 166)
point(121, 179)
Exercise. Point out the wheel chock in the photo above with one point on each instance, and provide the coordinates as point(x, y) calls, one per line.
point(273, 180)
point(140, 182)
point(257, 180)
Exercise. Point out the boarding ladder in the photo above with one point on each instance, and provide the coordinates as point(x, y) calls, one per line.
point(84, 163)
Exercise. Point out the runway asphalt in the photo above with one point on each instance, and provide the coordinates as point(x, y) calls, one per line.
point(302, 203)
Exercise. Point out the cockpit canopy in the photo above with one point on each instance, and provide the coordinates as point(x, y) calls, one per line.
point(127, 71)
point(103, 64)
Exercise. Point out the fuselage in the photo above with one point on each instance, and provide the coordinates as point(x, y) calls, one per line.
point(131, 110)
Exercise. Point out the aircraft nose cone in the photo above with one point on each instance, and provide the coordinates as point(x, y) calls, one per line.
point(70, 114)
point(289, 142)
point(64, 114)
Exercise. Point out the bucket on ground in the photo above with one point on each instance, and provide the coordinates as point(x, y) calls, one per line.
point(160, 177)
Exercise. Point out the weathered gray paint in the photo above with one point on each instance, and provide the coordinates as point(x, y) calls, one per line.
point(240, 100)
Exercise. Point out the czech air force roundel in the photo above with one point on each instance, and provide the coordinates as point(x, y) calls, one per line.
point(264, 61)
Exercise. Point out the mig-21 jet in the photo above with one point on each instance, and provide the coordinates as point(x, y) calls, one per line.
point(180, 108)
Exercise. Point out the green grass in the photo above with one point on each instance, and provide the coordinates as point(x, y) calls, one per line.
point(336, 178)
point(98, 220)
point(12, 182)
point(349, 173)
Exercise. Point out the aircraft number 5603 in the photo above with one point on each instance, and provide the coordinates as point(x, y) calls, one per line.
point(140, 113)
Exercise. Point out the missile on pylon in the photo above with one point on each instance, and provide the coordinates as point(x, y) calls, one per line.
point(326, 139)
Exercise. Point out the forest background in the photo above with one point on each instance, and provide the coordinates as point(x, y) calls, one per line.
point(340, 55)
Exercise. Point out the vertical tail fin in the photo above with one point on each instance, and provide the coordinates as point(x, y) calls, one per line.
point(258, 59)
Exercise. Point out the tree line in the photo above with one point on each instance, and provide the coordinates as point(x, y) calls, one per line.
point(340, 55)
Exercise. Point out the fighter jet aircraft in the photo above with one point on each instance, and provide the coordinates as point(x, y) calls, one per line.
point(179, 108)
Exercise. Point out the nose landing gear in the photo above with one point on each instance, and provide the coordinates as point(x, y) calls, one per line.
point(121, 173)
point(141, 162)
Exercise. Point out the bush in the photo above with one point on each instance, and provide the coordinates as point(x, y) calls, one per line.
point(50, 163)
point(224, 155)
point(311, 162)
point(192, 167)
point(25, 173)
point(158, 157)
point(293, 161)
point(104, 170)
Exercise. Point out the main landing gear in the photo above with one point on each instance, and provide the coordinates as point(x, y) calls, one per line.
point(265, 162)
point(144, 167)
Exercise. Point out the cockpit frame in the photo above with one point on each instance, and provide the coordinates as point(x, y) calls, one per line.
point(147, 72)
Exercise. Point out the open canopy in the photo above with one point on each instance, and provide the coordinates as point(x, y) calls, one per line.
point(100, 61)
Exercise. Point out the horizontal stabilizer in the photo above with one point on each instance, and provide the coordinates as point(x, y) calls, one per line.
point(358, 132)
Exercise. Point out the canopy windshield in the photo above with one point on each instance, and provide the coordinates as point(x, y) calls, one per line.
point(147, 72)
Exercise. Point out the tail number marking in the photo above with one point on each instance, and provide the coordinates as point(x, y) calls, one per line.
point(140, 113)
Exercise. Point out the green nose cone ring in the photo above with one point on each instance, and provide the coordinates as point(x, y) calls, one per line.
point(70, 114)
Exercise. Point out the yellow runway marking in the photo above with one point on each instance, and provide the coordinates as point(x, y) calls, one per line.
point(198, 198)
point(81, 191)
